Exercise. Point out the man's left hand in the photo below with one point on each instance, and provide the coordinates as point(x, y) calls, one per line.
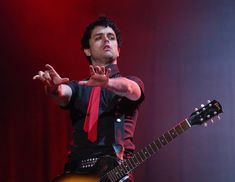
point(99, 77)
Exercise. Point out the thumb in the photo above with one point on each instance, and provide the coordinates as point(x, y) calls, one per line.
point(58, 81)
point(64, 80)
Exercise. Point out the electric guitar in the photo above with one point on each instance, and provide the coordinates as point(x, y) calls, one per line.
point(111, 170)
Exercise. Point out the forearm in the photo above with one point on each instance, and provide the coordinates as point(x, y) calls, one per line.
point(62, 94)
point(124, 87)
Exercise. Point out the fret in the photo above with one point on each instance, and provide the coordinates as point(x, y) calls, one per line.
point(154, 147)
point(167, 137)
point(132, 162)
point(146, 152)
point(121, 172)
point(179, 130)
point(124, 167)
point(150, 150)
point(136, 160)
point(158, 143)
point(138, 154)
point(125, 164)
point(185, 125)
point(129, 164)
point(173, 133)
point(117, 174)
point(163, 140)
point(112, 177)
point(142, 155)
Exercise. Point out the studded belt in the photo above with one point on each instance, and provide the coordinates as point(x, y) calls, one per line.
point(88, 163)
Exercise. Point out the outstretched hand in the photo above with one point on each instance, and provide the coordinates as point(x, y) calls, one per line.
point(99, 77)
point(50, 78)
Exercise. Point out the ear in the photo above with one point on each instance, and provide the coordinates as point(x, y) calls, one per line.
point(87, 52)
point(119, 51)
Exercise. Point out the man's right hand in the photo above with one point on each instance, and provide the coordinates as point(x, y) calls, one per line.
point(51, 79)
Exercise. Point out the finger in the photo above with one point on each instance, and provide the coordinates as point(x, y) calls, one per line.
point(46, 89)
point(35, 77)
point(51, 70)
point(98, 70)
point(48, 83)
point(40, 73)
point(102, 69)
point(43, 80)
point(108, 72)
point(41, 77)
point(82, 82)
point(92, 71)
point(49, 67)
point(64, 80)
point(47, 75)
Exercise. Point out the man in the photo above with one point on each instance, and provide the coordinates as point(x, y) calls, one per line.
point(103, 107)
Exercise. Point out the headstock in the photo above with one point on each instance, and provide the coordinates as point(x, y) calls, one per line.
point(205, 113)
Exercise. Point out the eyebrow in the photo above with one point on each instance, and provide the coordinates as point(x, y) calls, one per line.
point(98, 34)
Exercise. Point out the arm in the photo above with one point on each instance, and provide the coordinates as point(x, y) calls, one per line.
point(120, 86)
point(62, 95)
point(124, 87)
point(55, 85)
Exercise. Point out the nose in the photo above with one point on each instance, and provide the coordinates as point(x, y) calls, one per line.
point(105, 38)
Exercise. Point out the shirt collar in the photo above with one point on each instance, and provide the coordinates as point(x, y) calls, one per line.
point(114, 69)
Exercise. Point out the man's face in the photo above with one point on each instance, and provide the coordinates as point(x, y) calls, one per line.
point(103, 46)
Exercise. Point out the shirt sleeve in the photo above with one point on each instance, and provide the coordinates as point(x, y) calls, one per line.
point(141, 85)
point(74, 87)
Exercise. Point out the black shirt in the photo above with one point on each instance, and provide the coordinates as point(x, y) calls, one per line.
point(116, 122)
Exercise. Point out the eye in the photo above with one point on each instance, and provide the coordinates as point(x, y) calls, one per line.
point(97, 37)
point(112, 37)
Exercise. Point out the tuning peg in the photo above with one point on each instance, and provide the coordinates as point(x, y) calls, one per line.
point(209, 102)
point(219, 117)
point(196, 110)
point(203, 107)
point(208, 116)
point(212, 121)
point(205, 124)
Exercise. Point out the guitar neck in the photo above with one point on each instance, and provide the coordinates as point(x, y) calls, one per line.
point(141, 156)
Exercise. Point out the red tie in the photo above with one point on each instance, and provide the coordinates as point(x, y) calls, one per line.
point(90, 125)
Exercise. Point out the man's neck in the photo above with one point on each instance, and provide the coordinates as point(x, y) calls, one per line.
point(103, 63)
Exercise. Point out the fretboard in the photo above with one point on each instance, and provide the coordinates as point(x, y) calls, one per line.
point(141, 156)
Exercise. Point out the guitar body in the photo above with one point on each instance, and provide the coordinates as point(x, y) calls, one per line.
point(101, 168)
point(72, 177)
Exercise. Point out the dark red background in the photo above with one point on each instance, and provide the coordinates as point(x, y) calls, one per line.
point(183, 51)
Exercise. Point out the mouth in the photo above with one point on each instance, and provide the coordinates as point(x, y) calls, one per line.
point(107, 47)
